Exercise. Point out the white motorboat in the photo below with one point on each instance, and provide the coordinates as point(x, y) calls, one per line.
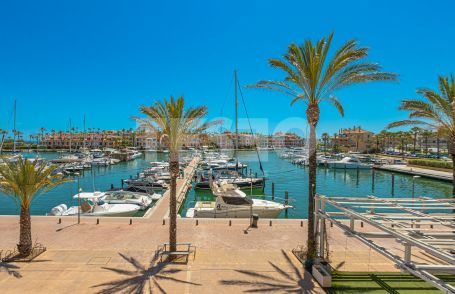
point(226, 189)
point(348, 163)
point(102, 161)
point(93, 206)
point(233, 203)
point(127, 197)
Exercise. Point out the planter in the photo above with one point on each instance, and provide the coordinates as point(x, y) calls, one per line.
point(321, 275)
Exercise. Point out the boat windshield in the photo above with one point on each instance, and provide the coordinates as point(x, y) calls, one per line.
point(237, 200)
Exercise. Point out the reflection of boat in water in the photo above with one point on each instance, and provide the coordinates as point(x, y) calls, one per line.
point(231, 202)
point(348, 163)
point(94, 206)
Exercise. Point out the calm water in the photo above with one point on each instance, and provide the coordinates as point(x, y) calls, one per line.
point(285, 175)
point(293, 178)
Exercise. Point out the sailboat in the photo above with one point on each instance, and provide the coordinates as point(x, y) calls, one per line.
point(231, 172)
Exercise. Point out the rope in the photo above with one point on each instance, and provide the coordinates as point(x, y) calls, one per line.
point(249, 123)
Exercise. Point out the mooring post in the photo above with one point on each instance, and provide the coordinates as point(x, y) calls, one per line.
point(131, 221)
point(372, 180)
point(122, 183)
point(393, 184)
point(286, 197)
point(112, 186)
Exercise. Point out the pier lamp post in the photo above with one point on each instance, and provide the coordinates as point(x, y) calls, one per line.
point(78, 198)
point(413, 184)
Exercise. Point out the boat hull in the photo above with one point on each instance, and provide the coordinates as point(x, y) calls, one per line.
point(232, 213)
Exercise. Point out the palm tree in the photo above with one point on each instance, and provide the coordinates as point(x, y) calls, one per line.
point(379, 137)
point(24, 181)
point(335, 147)
point(325, 139)
point(311, 77)
point(175, 124)
point(426, 134)
point(415, 132)
point(436, 111)
point(42, 130)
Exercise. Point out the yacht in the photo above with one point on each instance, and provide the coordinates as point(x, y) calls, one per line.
point(101, 161)
point(231, 202)
point(146, 183)
point(348, 162)
point(241, 183)
point(92, 205)
point(128, 197)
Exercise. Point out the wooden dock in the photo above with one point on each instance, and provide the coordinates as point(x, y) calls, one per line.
point(417, 171)
point(161, 209)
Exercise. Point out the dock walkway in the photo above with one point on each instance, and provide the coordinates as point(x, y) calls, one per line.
point(161, 208)
point(417, 171)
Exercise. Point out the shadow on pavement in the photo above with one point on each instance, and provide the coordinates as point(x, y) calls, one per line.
point(142, 278)
point(299, 281)
point(10, 269)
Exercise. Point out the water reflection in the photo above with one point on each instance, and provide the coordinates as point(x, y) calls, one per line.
point(286, 176)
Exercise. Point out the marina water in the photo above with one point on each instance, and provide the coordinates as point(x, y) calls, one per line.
point(286, 176)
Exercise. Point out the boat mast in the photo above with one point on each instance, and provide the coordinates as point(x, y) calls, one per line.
point(14, 127)
point(85, 134)
point(71, 136)
point(236, 142)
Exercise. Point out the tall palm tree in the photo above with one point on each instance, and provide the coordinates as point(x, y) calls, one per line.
point(312, 77)
point(436, 111)
point(415, 132)
point(175, 123)
point(24, 181)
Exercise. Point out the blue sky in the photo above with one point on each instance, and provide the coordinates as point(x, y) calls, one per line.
point(64, 59)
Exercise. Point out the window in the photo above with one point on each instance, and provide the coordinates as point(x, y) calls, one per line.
point(237, 200)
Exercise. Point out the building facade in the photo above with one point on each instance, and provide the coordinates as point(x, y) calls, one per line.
point(353, 139)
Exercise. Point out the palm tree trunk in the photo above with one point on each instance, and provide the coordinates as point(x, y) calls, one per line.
point(313, 118)
point(174, 171)
point(25, 233)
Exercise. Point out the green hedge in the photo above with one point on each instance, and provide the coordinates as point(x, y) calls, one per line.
point(431, 163)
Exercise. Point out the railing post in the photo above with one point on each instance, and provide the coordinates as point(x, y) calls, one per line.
point(407, 252)
point(321, 230)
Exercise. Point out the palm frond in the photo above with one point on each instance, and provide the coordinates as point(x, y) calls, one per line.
point(24, 180)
